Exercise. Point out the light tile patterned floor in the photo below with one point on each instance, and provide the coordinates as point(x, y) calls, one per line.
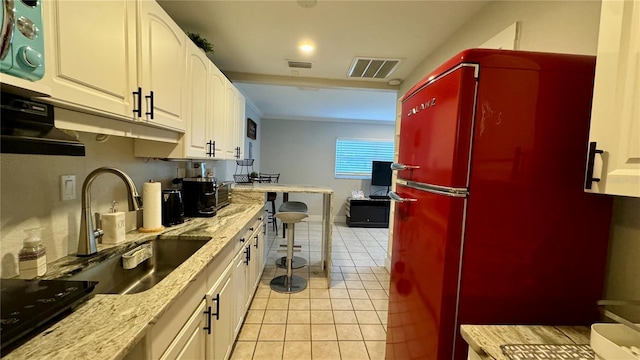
point(345, 321)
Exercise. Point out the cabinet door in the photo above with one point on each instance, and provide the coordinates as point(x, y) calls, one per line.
point(190, 342)
point(91, 54)
point(232, 121)
point(196, 112)
point(221, 299)
point(241, 124)
point(162, 66)
point(218, 110)
point(615, 117)
point(240, 289)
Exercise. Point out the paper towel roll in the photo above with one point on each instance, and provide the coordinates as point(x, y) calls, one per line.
point(152, 206)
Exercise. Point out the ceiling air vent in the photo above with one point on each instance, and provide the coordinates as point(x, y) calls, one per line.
point(372, 68)
point(299, 64)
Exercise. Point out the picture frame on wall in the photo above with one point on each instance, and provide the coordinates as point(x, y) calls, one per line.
point(252, 129)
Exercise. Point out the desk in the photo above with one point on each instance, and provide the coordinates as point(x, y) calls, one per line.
point(327, 210)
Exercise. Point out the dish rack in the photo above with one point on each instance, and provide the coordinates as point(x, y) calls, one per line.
point(244, 168)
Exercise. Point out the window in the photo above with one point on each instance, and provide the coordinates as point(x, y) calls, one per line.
point(354, 156)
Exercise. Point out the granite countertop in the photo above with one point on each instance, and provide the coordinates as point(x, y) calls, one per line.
point(109, 326)
point(276, 187)
point(485, 340)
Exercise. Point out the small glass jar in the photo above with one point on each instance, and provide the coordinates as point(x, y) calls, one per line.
point(33, 256)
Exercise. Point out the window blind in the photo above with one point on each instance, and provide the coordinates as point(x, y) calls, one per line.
point(354, 156)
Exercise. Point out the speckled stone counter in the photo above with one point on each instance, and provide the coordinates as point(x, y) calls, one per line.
point(485, 340)
point(109, 326)
point(241, 192)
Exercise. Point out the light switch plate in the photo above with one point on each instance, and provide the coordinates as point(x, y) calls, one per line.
point(67, 187)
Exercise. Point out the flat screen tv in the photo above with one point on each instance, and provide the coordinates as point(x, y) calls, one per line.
point(381, 173)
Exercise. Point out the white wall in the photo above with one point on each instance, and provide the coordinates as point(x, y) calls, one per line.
point(564, 27)
point(303, 152)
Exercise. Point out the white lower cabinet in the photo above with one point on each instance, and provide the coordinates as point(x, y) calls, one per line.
point(221, 298)
point(191, 340)
point(205, 320)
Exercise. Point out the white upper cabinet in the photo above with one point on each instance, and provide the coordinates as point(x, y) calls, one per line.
point(120, 58)
point(614, 138)
point(162, 66)
point(198, 119)
point(85, 67)
point(218, 110)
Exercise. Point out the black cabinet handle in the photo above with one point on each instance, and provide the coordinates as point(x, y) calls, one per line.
point(251, 228)
point(217, 313)
point(211, 148)
point(150, 98)
point(256, 244)
point(247, 252)
point(241, 239)
point(590, 162)
point(139, 102)
point(208, 327)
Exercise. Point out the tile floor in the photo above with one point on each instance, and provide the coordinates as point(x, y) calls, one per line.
point(345, 321)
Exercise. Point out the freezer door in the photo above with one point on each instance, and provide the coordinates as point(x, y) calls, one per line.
point(427, 240)
point(435, 129)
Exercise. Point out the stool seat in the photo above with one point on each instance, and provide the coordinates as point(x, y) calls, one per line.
point(290, 206)
point(290, 217)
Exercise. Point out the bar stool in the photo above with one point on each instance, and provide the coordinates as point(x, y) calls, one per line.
point(271, 197)
point(294, 207)
point(289, 283)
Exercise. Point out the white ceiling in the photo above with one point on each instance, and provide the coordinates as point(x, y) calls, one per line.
point(254, 39)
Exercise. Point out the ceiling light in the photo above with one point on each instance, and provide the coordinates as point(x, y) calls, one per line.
point(306, 48)
point(394, 82)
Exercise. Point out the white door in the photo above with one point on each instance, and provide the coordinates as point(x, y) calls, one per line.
point(218, 110)
point(162, 65)
point(221, 299)
point(239, 289)
point(190, 343)
point(197, 116)
point(91, 54)
point(615, 117)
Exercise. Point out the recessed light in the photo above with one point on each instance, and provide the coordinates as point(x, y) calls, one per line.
point(394, 82)
point(306, 48)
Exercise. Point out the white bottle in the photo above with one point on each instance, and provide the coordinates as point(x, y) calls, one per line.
point(33, 256)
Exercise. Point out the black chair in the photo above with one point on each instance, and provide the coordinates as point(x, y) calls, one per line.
point(271, 197)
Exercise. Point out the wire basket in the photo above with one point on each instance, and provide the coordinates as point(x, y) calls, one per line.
point(241, 178)
point(244, 162)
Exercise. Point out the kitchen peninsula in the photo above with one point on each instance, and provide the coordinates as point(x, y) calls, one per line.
point(239, 191)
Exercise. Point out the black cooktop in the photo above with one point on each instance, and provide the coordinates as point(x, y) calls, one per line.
point(28, 306)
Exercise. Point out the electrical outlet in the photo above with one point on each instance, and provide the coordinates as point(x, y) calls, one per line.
point(67, 187)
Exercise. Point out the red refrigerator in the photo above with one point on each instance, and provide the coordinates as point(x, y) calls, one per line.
point(491, 222)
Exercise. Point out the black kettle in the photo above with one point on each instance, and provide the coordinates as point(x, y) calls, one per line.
point(172, 207)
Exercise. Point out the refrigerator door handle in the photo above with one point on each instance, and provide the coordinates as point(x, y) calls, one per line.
point(398, 167)
point(398, 198)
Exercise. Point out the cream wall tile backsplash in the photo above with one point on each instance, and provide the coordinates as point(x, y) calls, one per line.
point(30, 193)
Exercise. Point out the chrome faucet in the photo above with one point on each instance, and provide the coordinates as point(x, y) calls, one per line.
point(87, 239)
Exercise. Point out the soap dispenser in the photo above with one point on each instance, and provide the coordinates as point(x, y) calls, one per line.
point(113, 225)
point(33, 256)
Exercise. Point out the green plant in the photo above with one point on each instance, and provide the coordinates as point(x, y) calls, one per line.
point(201, 42)
point(253, 175)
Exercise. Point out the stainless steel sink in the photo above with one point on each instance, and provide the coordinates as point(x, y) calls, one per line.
point(112, 278)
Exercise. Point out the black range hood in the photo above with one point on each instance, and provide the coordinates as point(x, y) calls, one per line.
point(28, 128)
